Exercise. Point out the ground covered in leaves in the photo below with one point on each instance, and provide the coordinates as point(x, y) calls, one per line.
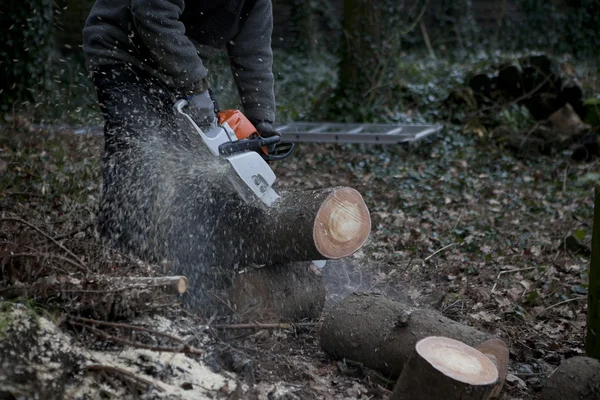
point(461, 224)
point(457, 224)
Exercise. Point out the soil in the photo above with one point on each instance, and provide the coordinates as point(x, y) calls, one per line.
point(458, 224)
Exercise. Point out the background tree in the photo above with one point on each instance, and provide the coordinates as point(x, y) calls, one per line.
point(27, 28)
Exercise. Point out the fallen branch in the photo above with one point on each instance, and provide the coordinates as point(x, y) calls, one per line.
point(510, 272)
point(130, 327)
point(258, 326)
point(440, 250)
point(560, 303)
point(185, 349)
point(120, 373)
point(51, 256)
point(69, 252)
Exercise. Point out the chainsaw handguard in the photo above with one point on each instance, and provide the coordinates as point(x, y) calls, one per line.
point(229, 148)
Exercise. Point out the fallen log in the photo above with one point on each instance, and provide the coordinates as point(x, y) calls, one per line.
point(496, 350)
point(381, 333)
point(576, 378)
point(103, 296)
point(279, 293)
point(443, 368)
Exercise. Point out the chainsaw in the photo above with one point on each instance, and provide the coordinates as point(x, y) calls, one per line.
point(235, 139)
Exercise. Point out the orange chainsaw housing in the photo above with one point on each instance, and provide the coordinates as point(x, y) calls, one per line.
point(240, 125)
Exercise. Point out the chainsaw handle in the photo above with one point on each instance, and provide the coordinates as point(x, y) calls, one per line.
point(279, 151)
point(229, 148)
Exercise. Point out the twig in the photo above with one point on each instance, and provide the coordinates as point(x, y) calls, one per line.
point(131, 327)
point(73, 232)
point(49, 255)
point(22, 221)
point(515, 101)
point(123, 372)
point(439, 251)
point(263, 326)
point(426, 39)
point(509, 272)
point(560, 303)
point(185, 349)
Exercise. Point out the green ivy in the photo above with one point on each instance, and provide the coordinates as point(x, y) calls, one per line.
point(26, 46)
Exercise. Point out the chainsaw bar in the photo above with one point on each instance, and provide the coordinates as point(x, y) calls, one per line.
point(354, 133)
point(306, 132)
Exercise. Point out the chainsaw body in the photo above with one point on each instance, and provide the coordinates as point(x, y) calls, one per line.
point(235, 139)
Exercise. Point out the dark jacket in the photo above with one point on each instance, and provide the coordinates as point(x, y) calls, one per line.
point(169, 38)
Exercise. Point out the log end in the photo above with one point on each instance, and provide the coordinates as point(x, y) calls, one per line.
point(457, 360)
point(342, 224)
point(181, 285)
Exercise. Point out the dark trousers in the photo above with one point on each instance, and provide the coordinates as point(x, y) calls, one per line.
point(164, 196)
point(137, 110)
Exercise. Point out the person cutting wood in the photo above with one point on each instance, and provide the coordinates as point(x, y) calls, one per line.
point(145, 55)
point(158, 46)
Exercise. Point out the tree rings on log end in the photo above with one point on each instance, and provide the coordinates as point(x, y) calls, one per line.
point(457, 360)
point(342, 224)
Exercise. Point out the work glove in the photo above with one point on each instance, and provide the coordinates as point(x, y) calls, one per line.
point(203, 109)
point(265, 129)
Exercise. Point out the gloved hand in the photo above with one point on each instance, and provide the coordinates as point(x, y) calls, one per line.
point(265, 129)
point(203, 109)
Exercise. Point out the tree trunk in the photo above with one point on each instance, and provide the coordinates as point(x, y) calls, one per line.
point(593, 313)
point(443, 368)
point(370, 44)
point(26, 46)
point(381, 333)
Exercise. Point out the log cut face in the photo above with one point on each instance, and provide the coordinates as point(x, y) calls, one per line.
point(342, 224)
point(443, 368)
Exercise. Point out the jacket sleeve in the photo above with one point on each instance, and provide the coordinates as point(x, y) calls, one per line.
point(251, 59)
point(158, 25)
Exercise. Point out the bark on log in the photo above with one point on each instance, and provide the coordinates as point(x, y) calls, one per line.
point(279, 293)
point(576, 378)
point(381, 333)
point(104, 296)
point(497, 351)
point(443, 368)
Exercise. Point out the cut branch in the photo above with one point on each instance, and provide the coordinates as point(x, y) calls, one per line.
point(103, 296)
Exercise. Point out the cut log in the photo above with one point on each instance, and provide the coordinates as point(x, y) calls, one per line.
point(576, 378)
point(443, 368)
point(497, 351)
point(167, 198)
point(381, 333)
point(279, 293)
point(104, 296)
